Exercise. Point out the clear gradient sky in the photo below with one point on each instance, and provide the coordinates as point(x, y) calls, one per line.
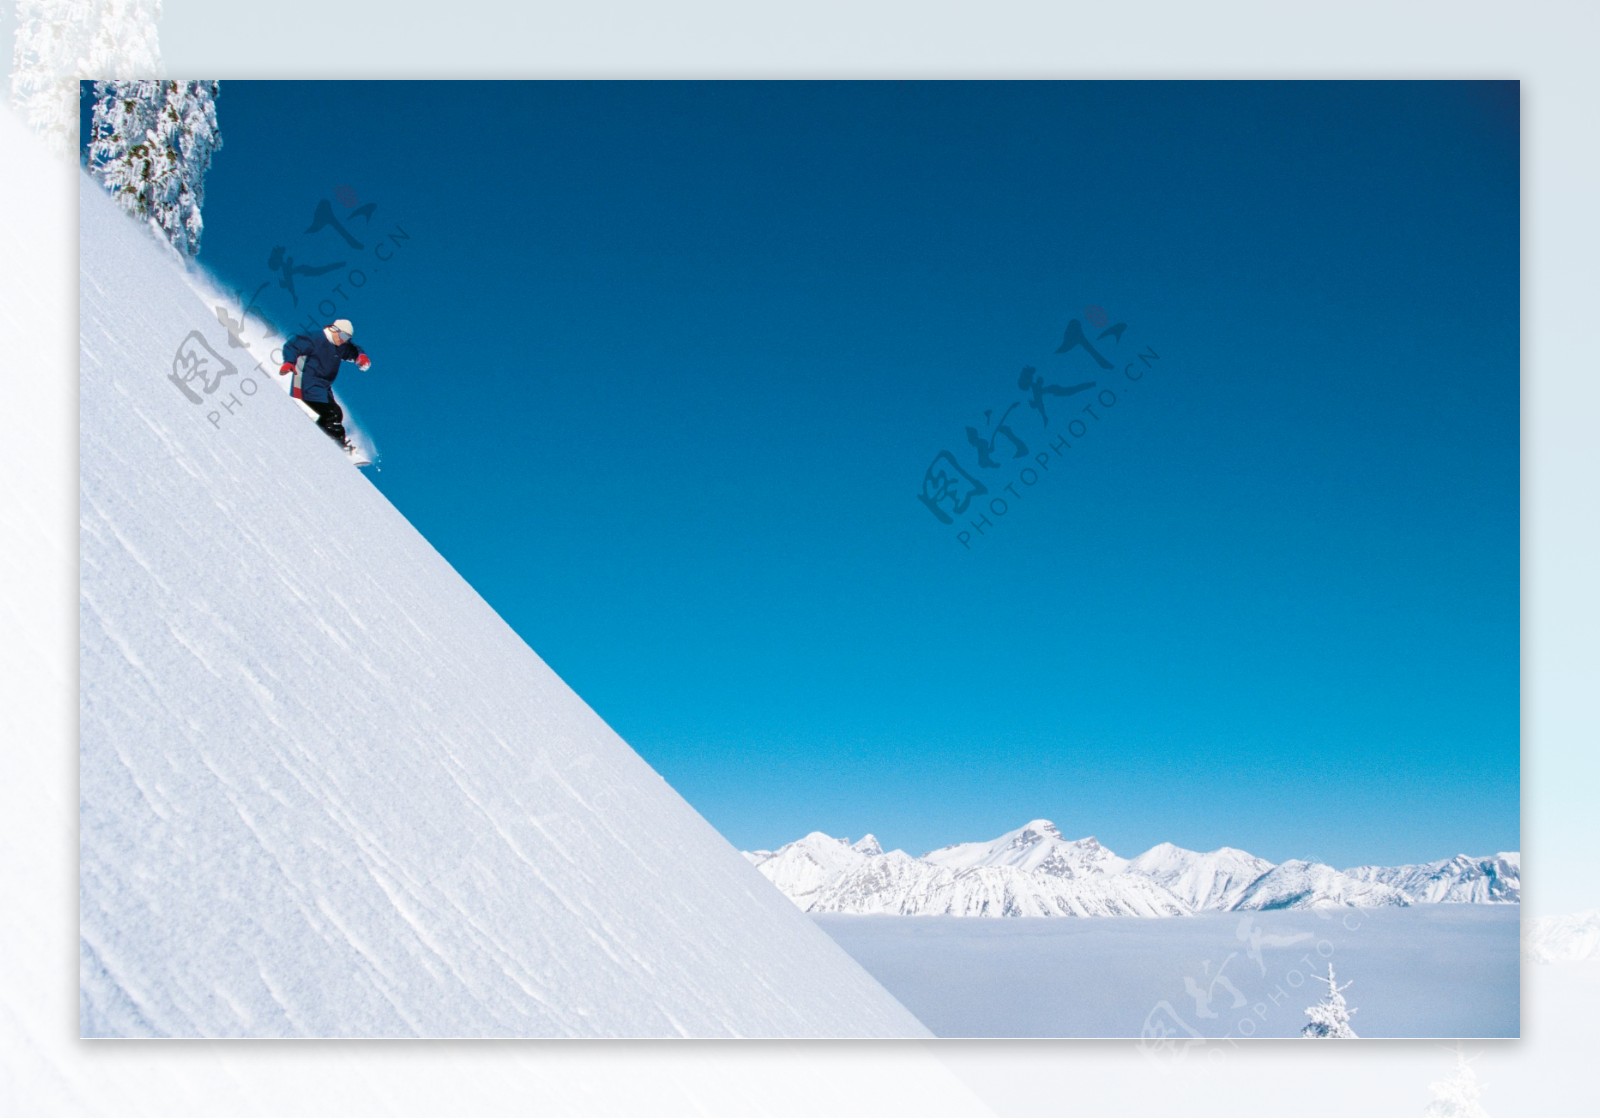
point(659, 368)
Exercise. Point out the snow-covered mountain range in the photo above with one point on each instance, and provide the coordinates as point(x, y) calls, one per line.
point(1463, 878)
point(1035, 871)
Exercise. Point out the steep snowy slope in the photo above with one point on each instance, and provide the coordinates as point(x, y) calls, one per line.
point(324, 789)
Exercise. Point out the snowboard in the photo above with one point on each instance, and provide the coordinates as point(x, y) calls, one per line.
point(354, 453)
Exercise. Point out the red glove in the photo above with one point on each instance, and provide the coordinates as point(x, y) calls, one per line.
point(286, 368)
point(363, 362)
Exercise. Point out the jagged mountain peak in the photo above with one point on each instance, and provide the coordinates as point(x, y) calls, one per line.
point(1203, 880)
point(868, 845)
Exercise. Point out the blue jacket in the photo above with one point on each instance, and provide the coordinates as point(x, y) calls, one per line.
point(321, 364)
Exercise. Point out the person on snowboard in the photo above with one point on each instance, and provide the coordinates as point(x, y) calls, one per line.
point(314, 360)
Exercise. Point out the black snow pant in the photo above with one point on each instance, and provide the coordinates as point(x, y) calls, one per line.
point(330, 418)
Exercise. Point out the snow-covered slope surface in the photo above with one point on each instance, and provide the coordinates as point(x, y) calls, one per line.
point(1563, 940)
point(326, 791)
point(1494, 879)
point(1034, 872)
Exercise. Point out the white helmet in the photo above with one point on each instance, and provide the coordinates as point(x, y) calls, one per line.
point(343, 327)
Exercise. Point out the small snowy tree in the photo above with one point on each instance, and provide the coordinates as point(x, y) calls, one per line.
point(60, 41)
point(1458, 1096)
point(151, 144)
point(1330, 1017)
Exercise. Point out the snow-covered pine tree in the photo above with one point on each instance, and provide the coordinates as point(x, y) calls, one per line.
point(1330, 1017)
point(191, 117)
point(60, 41)
point(121, 131)
point(151, 144)
point(1458, 1096)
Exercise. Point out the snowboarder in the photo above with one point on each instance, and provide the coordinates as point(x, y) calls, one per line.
point(314, 360)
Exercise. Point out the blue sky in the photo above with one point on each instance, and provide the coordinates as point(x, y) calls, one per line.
point(659, 368)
